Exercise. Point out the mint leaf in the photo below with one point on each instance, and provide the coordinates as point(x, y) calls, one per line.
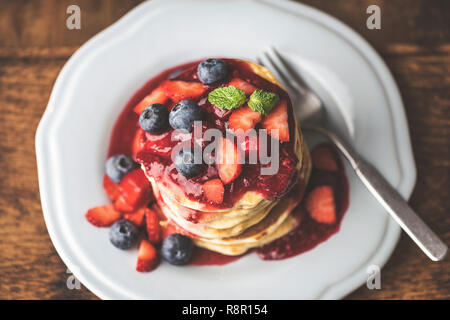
point(227, 97)
point(263, 101)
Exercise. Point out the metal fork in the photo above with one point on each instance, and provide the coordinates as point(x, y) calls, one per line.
point(312, 115)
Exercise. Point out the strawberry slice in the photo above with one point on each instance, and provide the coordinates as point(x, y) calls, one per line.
point(214, 190)
point(147, 257)
point(122, 206)
point(181, 90)
point(111, 188)
point(167, 228)
point(135, 191)
point(158, 95)
point(103, 216)
point(229, 162)
point(320, 205)
point(138, 141)
point(243, 85)
point(244, 118)
point(323, 158)
point(153, 228)
point(278, 120)
point(137, 217)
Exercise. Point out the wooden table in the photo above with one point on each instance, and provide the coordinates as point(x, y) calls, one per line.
point(34, 45)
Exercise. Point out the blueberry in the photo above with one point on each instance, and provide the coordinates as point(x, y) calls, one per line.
point(123, 234)
point(177, 249)
point(118, 166)
point(185, 162)
point(154, 119)
point(183, 115)
point(212, 70)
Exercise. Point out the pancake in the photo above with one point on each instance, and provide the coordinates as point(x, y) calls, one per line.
point(275, 223)
point(221, 221)
point(220, 224)
point(247, 204)
point(250, 200)
point(278, 223)
point(253, 219)
point(206, 231)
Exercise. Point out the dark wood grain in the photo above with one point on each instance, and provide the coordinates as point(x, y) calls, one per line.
point(34, 45)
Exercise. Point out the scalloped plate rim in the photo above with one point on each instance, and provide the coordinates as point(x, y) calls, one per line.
point(404, 154)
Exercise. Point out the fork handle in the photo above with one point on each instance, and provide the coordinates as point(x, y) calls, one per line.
point(399, 209)
point(392, 201)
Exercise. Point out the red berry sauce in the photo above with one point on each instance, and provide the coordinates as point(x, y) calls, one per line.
point(154, 152)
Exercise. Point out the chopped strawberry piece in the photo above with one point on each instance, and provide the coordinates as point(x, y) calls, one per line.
point(122, 206)
point(323, 158)
point(135, 191)
point(229, 161)
point(214, 190)
point(242, 85)
point(153, 228)
point(278, 120)
point(137, 217)
point(138, 141)
point(103, 216)
point(111, 188)
point(244, 119)
point(147, 257)
point(181, 90)
point(158, 95)
point(320, 205)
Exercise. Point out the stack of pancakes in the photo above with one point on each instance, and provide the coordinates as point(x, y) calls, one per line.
point(252, 221)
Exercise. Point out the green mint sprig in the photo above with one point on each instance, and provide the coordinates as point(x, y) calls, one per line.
point(232, 98)
point(227, 97)
point(263, 101)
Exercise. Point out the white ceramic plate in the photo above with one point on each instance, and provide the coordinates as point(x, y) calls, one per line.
point(94, 85)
